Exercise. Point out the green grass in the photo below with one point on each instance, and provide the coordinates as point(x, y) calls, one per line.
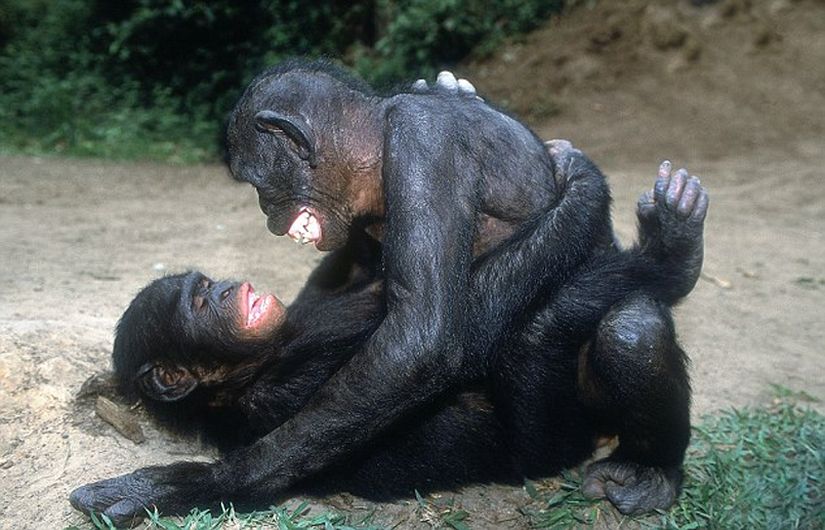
point(280, 517)
point(751, 468)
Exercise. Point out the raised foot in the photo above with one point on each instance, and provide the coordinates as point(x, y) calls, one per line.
point(671, 227)
point(566, 158)
point(673, 212)
point(632, 488)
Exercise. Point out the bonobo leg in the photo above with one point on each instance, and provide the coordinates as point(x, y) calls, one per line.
point(633, 374)
point(630, 374)
point(633, 377)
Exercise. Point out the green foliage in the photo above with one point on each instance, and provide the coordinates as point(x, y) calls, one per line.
point(280, 517)
point(423, 35)
point(155, 78)
point(751, 468)
point(755, 468)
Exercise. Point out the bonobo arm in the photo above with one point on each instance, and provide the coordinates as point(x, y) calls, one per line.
point(414, 354)
point(416, 351)
point(354, 265)
point(542, 255)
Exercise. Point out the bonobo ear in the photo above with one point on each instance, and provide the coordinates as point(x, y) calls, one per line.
point(165, 382)
point(293, 126)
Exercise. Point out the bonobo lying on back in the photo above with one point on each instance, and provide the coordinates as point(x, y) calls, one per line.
point(220, 358)
point(438, 179)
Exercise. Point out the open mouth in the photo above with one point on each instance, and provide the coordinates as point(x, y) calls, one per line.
point(306, 228)
point(256, 308)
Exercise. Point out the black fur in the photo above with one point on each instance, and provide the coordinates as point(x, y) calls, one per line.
point(434, 172)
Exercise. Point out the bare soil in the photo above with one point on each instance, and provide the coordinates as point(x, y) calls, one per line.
point(735, 91)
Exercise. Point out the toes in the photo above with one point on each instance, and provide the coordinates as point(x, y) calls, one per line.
point(565, 157)
point(691, 193)
point(662, 181)
point(676, 187)
point(79, 499)
point(88, 498)
point(646, 206)
point(700, 210)
point(627, 500)
point(593, 488)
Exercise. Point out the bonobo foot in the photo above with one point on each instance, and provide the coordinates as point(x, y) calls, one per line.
point(671, 224)
point(564, 157)
point(632, 488)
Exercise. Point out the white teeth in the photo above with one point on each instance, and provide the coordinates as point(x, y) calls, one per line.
point(251, 299)
point(305, 228)
point(255, 313)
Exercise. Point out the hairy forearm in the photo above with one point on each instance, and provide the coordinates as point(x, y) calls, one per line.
point(540, 257)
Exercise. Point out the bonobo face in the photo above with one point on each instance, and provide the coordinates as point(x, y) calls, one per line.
point(184, 331)
point(226, 314)
point(304, 141)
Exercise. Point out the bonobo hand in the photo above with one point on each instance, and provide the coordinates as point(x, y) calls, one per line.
point(126, 498)
point(446, 81)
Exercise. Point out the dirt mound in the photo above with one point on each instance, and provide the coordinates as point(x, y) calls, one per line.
point(641, 79)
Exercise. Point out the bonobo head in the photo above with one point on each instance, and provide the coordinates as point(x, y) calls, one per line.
point(307, 136)
point(185, 331)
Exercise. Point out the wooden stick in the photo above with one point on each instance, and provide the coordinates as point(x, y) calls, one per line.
point(121, 419)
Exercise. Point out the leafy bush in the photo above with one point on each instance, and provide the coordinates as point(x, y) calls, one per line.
point(154, 78)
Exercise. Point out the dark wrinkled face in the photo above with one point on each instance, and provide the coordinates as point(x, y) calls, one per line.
point(226, 315)
point(284, 138)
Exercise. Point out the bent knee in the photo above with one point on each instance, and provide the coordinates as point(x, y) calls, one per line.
point(637, 330)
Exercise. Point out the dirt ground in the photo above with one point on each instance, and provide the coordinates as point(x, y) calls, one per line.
point(736, 93)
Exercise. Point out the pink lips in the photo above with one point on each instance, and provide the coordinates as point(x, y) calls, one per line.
point(256, 307)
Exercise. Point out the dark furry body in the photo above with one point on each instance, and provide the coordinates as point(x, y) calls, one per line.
point(448, 320)
point(468, 435)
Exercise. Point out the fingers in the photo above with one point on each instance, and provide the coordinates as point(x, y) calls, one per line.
point(420, 86)
point(466, 88)
point(676, 187)
point(125, 511)
point(662, 182)
point(646, 205)
point(448, 82)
